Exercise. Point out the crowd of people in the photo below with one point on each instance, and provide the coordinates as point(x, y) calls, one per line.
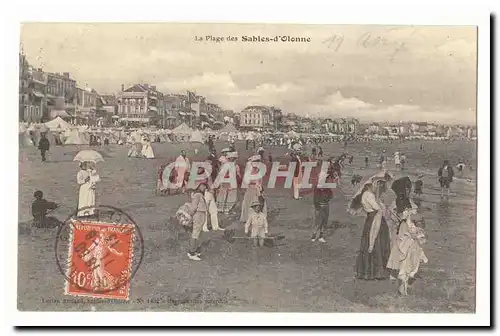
point(392, 239)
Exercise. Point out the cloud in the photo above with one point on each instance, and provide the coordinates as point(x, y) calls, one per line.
point(423, 81)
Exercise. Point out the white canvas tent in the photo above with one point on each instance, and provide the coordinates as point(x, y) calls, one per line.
point(182, 129)
point(76, 138)
point(196, 136)
point(57, 124)
point(25, 139)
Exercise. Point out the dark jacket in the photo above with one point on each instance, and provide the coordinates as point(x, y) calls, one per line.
point(451, 173)
point(322, 196)
point(44, 144)
point(39, 209)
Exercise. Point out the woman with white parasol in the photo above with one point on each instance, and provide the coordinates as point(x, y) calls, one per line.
point(375, 245)
point(87, 178)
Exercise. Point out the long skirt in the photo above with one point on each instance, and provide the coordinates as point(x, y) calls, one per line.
point(251, 195)
point(370, 266)
point(86, 200)
point(226, 198)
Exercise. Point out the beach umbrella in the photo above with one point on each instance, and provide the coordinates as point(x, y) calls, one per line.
point(88, 155)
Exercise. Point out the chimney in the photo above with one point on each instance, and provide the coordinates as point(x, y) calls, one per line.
point(66, 74)
point(123, 87)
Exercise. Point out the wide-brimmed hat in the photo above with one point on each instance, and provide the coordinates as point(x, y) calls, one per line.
point(225, 150)
point(255, 203)
point(260, 149)
point(232, 155)
point(254, 158)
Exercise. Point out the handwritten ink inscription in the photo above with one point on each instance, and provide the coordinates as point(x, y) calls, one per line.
point(370, 41)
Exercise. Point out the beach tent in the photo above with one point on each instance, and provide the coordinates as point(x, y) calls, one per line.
point(228, 128)
point(250, 136)
point(76, 138)
point(182, 129)
point(25, 139)
point(57, 124)
point(22, 128)
point(196, 136)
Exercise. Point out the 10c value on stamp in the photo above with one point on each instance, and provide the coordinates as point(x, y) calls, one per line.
point(99, 262)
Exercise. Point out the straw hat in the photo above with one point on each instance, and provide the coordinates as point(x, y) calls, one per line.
point(232, 155)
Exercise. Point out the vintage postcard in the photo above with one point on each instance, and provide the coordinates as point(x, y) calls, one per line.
point(230, 167)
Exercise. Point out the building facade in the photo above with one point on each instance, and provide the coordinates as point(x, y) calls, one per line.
point(267, 118)
point(87, 103)
point(177, 111)
point(61, 95)
point(140, 104)
point(38, 98)
point(255, 117)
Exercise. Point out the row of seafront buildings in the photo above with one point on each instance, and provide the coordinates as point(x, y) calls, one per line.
point(44, 96)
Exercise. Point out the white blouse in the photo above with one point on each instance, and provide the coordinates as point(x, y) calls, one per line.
point(369, 202)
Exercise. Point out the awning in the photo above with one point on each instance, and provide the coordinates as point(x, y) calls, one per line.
point(38, 81)
point(38, 94)
point(171, 117)
point(153, 108)
point(59, 113)
point(115, 117)
point(135, 119)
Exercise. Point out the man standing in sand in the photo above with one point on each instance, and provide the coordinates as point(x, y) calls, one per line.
point(43, 146)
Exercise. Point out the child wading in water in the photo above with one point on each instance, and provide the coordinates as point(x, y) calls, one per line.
point(257, 222)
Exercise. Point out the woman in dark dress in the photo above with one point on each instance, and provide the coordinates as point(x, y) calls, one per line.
point(375, 244)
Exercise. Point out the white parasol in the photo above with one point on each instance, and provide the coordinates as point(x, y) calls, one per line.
point(354, 208)
point(88, 155)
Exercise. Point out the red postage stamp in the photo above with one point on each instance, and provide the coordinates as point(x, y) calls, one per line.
point(99, 259)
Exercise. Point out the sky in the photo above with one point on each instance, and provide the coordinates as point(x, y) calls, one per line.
point(373, 73)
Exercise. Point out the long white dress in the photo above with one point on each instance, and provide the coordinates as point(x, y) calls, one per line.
point(182, 166)
point(86, 195)
point(147, 150)
point(407, 253)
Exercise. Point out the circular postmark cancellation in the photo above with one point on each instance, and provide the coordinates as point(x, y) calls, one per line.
point(98, 255)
